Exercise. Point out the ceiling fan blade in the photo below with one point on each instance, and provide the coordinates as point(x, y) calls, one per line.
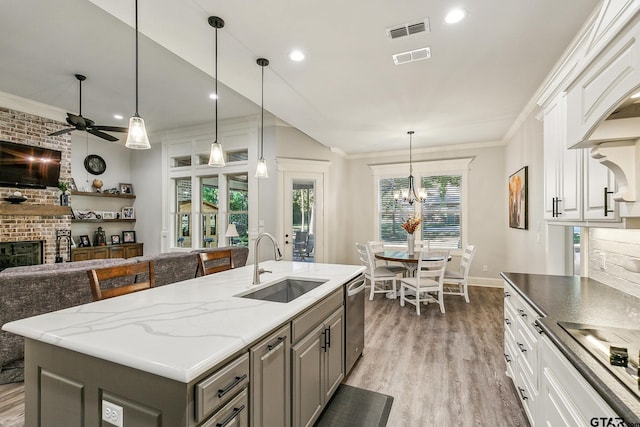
point(112, 128)
point(62, 131)
point(77, 121)
point(102, 135)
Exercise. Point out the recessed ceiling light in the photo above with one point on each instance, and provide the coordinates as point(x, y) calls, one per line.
point(213, 96)
point(118, 116)
point(296, 55)
point(455, 15)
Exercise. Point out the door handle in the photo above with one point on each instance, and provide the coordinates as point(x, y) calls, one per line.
point(351, 291)
point(607, 211)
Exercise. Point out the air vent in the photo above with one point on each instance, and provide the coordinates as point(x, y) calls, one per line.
point(412, 56)
point(403, 30)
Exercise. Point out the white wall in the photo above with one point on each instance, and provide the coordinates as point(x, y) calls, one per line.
point(487, 209)
point(525, 249)
point(146, 176)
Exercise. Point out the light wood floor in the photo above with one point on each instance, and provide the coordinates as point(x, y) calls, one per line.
point(442, 369)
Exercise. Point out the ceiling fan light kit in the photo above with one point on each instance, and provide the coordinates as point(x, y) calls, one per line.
point(261, 169)
point(216, 156)
point(137, 138)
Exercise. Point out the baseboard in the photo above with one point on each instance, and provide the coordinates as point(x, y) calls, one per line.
point(486, 282)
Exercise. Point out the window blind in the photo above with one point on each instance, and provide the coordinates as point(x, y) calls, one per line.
point(442, 211)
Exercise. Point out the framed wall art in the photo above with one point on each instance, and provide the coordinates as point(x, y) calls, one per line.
point(518, 194)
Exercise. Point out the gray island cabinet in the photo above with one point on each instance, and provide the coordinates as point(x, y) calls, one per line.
point(193, 354)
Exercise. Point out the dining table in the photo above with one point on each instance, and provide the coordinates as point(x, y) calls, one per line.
point(409, 261)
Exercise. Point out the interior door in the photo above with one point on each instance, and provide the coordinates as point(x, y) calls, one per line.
point(303, 216)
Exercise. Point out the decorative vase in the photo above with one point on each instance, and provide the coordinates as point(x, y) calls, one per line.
point(411, 241)
point(64, 199)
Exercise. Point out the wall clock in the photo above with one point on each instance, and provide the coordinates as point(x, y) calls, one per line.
point(94, 164)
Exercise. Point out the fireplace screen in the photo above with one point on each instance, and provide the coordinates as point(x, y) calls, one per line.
point(14, 254)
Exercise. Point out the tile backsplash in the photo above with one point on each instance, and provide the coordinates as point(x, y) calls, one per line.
point(610, 250)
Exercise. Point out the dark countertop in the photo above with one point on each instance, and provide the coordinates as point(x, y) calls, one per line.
point(583, 300)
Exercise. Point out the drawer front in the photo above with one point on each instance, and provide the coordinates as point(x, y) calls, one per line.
point(218, 388)
point(233, 414)
point(510, 323)
point(527, 348)
point(510, 358)
point(527, 396)
point(304, 323)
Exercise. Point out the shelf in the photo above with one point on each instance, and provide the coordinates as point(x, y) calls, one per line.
point(117, 196)
point(34, 210)
point(76, 220)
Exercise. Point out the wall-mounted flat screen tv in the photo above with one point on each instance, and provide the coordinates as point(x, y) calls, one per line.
point(28, 166)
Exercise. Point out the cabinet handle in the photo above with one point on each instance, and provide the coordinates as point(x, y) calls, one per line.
point(323, 345)
point(538, 328)
point(507, 321)
point(607, 211)
point(553, 207)
point(521, 390)
point(231, 417)
point(558, 200)
point(507, 358)
point(275, 343)
point(328, 337)
point(231, 385)
point(522, 313)
point(521, 347)
point(507, 294)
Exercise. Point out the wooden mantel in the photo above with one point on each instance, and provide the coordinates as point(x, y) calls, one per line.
point(34, 210)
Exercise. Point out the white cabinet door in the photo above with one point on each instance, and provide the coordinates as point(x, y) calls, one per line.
point(562, 167)
point(598, 182)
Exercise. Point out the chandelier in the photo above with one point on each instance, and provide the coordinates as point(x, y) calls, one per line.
point(411, 194)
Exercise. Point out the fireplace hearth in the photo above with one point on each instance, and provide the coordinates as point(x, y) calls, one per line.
point(16, 254)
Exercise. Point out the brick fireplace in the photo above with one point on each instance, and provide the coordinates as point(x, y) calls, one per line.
point(39, 224)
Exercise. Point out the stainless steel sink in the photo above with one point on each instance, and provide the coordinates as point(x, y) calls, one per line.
point(285, 290)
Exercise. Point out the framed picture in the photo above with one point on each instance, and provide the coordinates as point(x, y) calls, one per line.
point(108, 215)
point(518, 206)
point(115, 239)
point(128, 212)
point(84, 241)
point(126, 188)
point(72, 185)
point(128, 237)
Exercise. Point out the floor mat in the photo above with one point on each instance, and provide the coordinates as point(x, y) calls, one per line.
point(356, 407)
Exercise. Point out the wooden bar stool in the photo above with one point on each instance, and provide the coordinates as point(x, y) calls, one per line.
point(100, 276)
point(224, 261)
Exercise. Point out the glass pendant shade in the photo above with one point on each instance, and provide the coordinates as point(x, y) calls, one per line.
point(137, 138)
point(216, 156)
point(261, 169)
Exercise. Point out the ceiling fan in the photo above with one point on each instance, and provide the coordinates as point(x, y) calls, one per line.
point(82, 123)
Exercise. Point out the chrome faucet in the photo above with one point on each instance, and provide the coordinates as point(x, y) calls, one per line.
point(257, 271)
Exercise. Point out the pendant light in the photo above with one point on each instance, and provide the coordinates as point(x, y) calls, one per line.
point(410, 194)
point(137, 138)
point(216, 156)
point(261, 169)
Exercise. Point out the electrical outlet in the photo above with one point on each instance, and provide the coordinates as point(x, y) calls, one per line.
point(485, 268)
point(112, 413)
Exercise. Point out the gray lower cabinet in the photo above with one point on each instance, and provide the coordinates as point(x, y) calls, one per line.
point(270, 380)
point(318, 368)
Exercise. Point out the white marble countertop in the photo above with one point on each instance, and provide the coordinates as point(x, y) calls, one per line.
point(179, 331)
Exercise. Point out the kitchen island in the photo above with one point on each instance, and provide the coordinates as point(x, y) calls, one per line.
point(168, 343)
point(558, 300)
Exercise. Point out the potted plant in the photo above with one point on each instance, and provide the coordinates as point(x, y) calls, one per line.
point(64, 197)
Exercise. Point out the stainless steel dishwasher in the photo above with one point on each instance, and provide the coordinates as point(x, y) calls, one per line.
point(354, 323)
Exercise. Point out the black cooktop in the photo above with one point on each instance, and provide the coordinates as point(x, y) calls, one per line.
point(599, 340)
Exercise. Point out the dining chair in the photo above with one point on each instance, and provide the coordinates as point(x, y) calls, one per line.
point(378, 246)
point(214, 262)
point(459, 278)
point(375, 274)
point(107, 282)
point(427, 282)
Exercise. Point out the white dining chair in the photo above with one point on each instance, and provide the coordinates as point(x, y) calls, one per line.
point(427, 284)
point(376, 275)
point(459, 278)
point(378, 246)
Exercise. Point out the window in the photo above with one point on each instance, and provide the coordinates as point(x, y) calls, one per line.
point(230, 156)
point(182, 161)
point(239, 206)
point(183, 212)
point(443, 212)
point(209, 211)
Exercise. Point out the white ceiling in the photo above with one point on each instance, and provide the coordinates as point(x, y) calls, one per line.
point(347, 94)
